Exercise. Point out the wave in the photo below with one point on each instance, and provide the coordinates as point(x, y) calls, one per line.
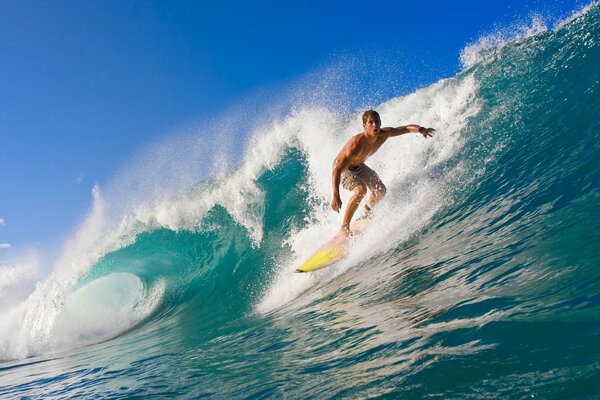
point(492, 208)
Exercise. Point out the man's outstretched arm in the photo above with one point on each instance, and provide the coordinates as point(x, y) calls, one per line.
point(401, 130)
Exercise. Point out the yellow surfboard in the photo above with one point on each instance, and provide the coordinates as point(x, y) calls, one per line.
point(333, 250)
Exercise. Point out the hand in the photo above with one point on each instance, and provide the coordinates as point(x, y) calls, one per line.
point(426, 132)
point(336, 203)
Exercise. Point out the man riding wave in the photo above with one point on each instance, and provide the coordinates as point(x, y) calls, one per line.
point(350, 170)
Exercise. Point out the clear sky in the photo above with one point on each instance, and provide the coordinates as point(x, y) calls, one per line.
point(85, 85)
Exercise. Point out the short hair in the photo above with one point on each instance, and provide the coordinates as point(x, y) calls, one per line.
point(370, 113)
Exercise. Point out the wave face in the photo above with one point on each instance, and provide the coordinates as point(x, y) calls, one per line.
point(477, 278)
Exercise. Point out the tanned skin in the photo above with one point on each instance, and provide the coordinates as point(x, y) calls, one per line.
point(355, 152)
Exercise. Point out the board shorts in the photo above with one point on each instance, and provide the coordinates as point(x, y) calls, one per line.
point(354, 176)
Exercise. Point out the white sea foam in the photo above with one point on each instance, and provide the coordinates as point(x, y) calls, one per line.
point(409, 165)
point(17, 280)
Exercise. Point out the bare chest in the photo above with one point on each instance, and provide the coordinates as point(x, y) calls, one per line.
point(363, 150)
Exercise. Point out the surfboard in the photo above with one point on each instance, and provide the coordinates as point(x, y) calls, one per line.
point(334, 250)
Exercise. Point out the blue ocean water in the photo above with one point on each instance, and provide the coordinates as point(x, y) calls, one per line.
point(476, 279)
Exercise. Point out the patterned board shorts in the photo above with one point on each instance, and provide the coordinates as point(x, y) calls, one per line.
point(354, 176)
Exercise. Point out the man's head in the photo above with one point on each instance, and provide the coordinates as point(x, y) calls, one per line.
point(371, 122)
point(371, 113)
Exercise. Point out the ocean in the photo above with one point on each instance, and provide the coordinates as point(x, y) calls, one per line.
point(476, 278)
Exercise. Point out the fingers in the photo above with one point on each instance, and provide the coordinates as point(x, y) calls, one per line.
point(428, 132)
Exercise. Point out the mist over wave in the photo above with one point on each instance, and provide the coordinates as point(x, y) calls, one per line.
point(473, 271)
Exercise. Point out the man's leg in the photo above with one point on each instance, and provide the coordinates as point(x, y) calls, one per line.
point(359, 192)
point(376, 186)
point(377, 194)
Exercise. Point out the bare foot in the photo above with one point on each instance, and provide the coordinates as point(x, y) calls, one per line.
point(349, 233)
point(346, 231)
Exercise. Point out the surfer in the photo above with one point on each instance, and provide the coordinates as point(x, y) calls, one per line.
point(349, 166)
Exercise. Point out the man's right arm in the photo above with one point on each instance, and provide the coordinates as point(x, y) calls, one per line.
point(339, 164)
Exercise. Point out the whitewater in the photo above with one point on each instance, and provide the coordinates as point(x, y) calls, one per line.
point(477, 277)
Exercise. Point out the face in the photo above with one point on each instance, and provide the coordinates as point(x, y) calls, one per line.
point(372, 125)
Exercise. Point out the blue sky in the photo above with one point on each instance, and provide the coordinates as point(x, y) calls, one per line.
point(85, 85)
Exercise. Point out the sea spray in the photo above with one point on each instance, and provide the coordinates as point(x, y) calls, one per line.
point(407, 165)
point(477, 278)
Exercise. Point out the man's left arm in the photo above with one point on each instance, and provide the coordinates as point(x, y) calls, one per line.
point(401, 130)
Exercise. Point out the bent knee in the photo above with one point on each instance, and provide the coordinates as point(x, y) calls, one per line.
point(380, 190)
point(360, 190)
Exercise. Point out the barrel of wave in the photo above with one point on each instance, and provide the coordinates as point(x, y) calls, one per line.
point(105, 308)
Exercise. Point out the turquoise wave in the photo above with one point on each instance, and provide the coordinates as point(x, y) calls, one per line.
point(479, 281)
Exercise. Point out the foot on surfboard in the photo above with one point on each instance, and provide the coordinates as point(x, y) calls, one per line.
point(333, 250)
